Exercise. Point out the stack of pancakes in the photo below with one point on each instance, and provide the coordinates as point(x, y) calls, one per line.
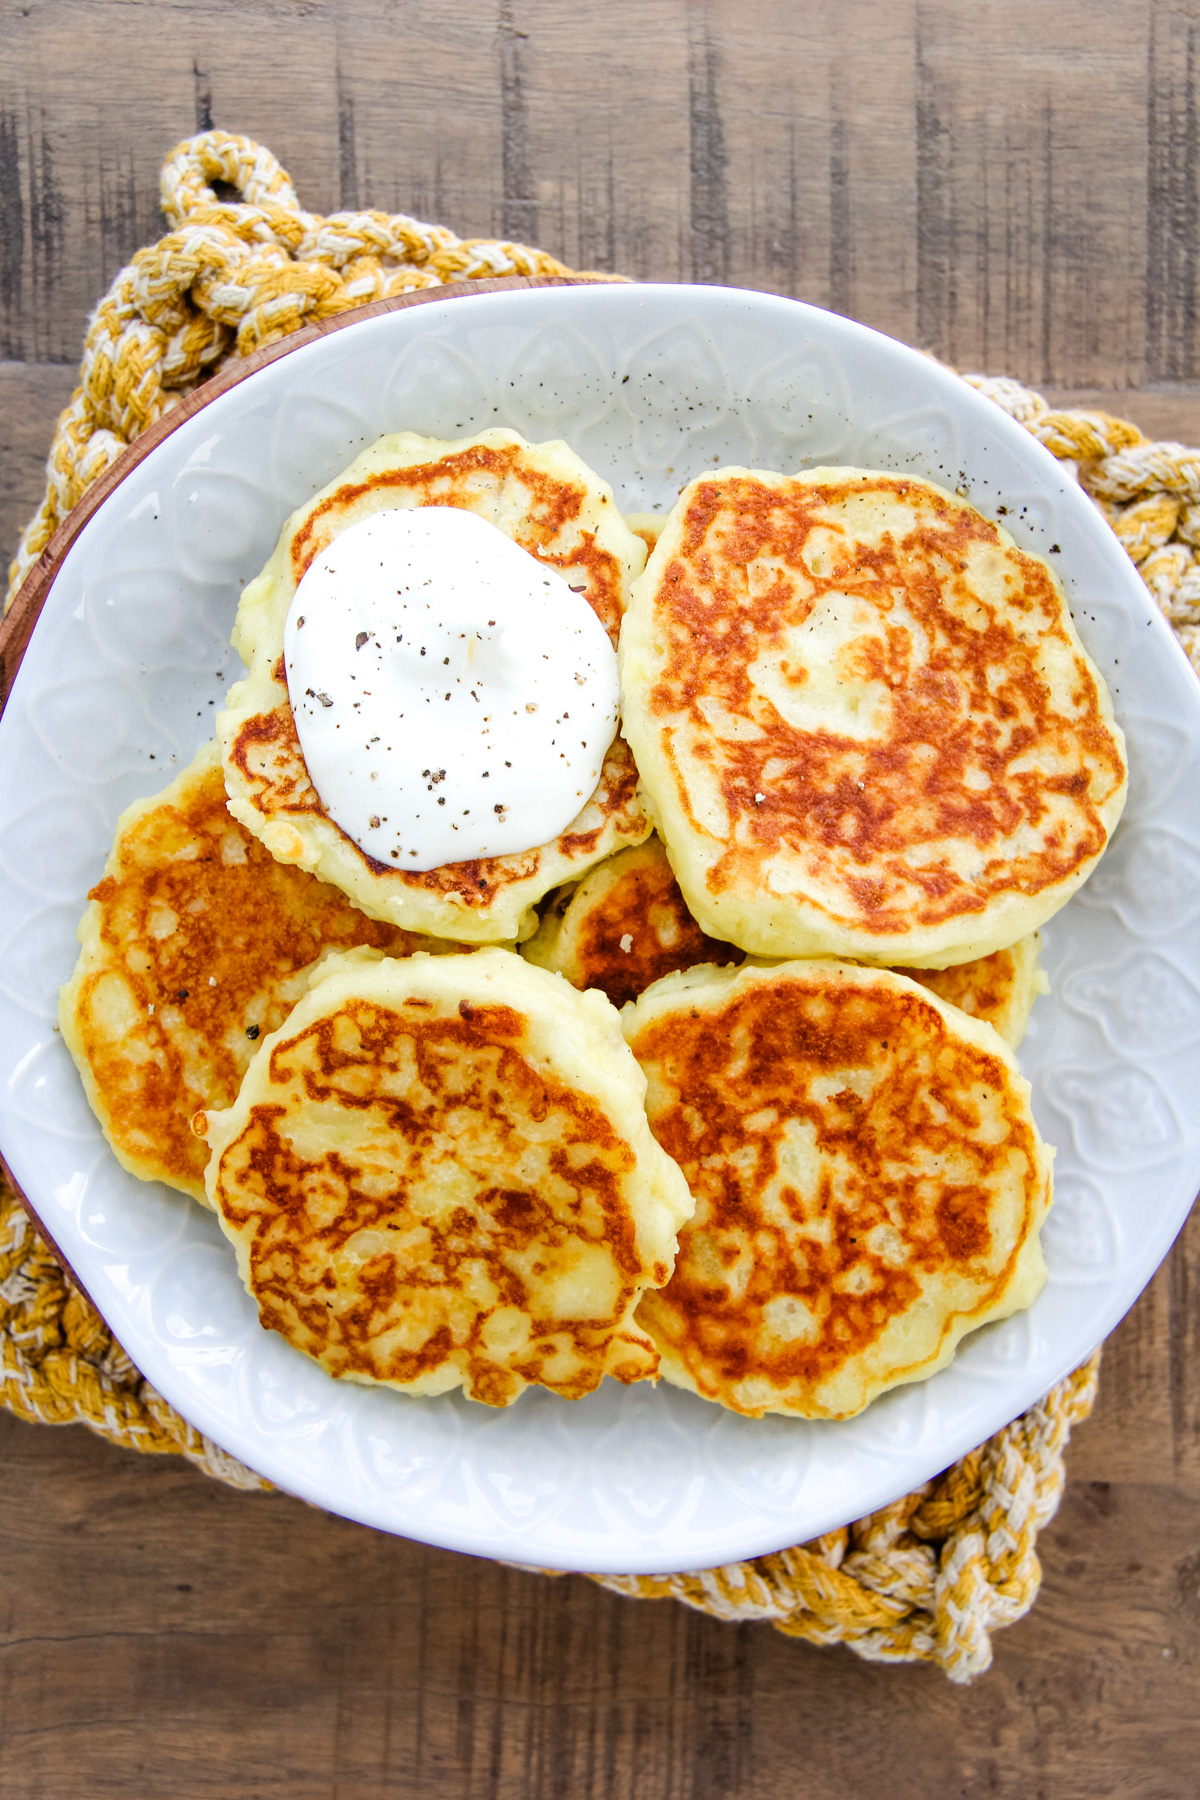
point(864, 757)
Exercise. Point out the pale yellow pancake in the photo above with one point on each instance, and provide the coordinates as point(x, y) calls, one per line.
point(194, 946)
point(864, 719)
point(438, 1174)
point(868, 1178)
point(554, 506)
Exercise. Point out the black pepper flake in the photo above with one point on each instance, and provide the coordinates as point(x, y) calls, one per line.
point(182, 994)
point(361, 639)
point(252, 1031)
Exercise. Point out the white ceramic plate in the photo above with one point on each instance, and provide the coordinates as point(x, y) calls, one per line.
point(651, 385)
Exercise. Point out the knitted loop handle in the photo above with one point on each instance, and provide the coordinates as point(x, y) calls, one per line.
point(220, 156)
point(925, 1579)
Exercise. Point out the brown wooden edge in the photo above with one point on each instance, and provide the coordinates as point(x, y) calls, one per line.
point(17, 625)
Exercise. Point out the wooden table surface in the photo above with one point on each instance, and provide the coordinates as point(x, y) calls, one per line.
point(1015, 187)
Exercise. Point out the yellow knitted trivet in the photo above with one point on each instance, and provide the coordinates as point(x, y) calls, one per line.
point(925, 1579)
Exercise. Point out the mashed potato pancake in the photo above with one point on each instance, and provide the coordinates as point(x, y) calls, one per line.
point(195, 944)
point(626, 925)
point(551, 504)
point(1000, 989)
point(864, 719)
point(622, 927)
point(438, 1174)
point(868, 1178)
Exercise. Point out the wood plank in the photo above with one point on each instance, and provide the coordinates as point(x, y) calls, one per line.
point(81, 177)
point(1011, 187)
point(280, 1651)
point(1169, 413)
point(1146, 1426)
point(31, 397)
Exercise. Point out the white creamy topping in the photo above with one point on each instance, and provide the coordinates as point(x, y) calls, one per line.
point(454, 698)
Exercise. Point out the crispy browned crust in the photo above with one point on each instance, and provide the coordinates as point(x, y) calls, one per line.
point(647, 526)
point(977, 749)
point(463, 1065)
point(208, 934)
point(628, 928)
point(731, 1086)
point(992, 988)
point(436, 1177)
point(266, 753)
point(626, 925)
point(984, 984)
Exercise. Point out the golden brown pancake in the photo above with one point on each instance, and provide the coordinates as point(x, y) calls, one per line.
point(864, 720)
point(195, 945)
point(626, 925)
point(439, 1174)
point(868, 1178)
point(1000, 989)
point(550, 503)
point(622, 927)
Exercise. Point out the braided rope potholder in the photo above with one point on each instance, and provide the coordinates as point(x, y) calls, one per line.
point(925, 1579)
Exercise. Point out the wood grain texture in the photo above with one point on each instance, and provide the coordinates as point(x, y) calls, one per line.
point(1014, 187)
point(160, 1635)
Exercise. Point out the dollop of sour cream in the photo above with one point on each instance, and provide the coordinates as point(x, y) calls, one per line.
point(454, 697)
